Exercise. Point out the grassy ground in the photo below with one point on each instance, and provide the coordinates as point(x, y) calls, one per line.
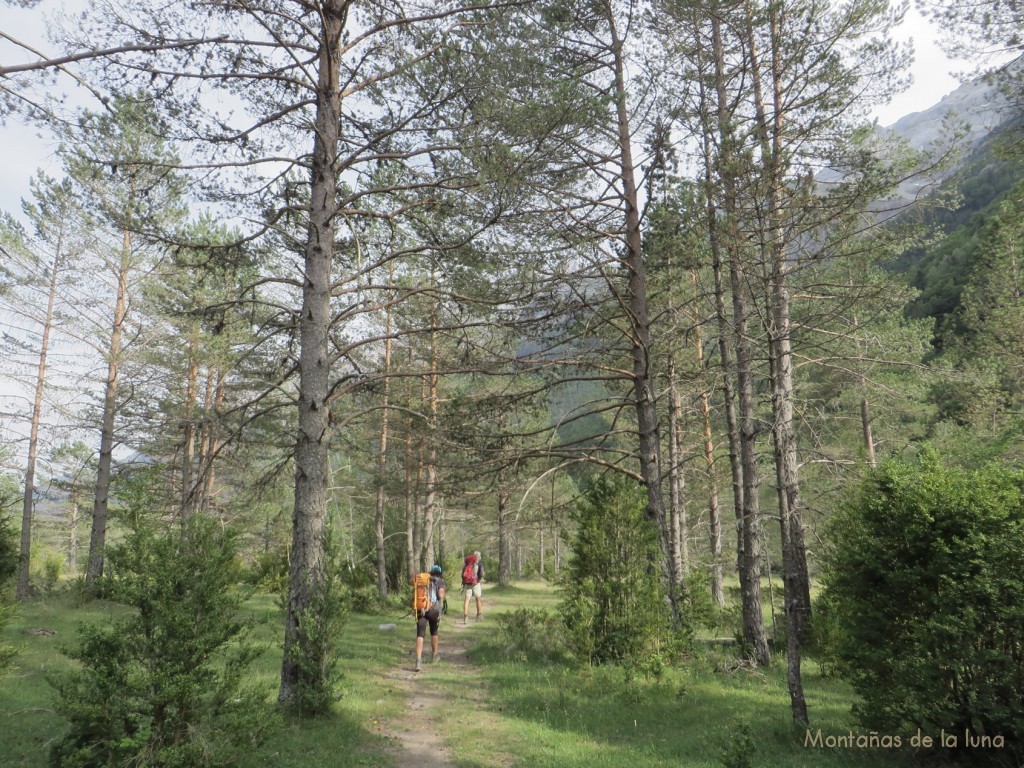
point(549, 714)
point(498, 712)
point(28, 723)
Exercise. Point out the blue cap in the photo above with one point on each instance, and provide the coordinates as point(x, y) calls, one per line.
point(437, 569)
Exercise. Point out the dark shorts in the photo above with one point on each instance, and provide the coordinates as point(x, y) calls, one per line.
point(432, 617)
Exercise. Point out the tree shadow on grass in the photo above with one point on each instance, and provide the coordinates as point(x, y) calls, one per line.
point(597, 717)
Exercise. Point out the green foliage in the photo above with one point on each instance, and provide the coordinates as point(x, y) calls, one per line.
point(530, 634)
point(52, 569)
point(926, 588)
point(8, 568)
point(317, 685)
point(8, 551)
point(825, 633)
point(137, 492)
point(163, 686)
point(612, 602)
point(7, 652)
point(269, 571)
point(740, 749)
point(942, 271)
point(701, 608)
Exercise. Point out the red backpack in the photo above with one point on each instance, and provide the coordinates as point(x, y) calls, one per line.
point(469, 572)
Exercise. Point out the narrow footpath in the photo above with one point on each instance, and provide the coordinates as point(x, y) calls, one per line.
point(420, 737)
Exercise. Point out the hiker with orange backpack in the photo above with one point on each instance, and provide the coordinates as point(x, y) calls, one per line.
point(472, 575)
point(427, 597)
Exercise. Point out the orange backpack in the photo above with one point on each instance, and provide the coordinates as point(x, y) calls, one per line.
point(424, 592)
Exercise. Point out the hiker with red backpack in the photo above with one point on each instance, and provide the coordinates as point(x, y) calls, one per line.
point(472, 575)
point(428, 591)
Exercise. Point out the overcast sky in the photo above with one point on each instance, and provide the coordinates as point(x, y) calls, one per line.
point(24, 150)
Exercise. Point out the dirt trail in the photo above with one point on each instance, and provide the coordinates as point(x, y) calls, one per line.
point(419, 736)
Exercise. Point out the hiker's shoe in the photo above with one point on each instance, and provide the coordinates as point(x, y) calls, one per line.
point(479, 616)
point(465, 619)
point(419, 666)
point(435, 657)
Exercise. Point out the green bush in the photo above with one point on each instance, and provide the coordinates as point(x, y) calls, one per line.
point(7, 652)
point(925, 586)
point(8, 568)
point(53, 569)
point(162, 687)
point(269, 571)
point(530, 633)
point(612, 600)
point(8, 551)
point(317, 684)
point(740, 749)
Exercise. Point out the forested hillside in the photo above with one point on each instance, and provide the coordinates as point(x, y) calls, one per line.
point(629, 297)
point(977, 193)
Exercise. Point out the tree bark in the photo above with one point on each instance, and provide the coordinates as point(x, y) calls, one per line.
point(382, 457)
point(98, 536)
point(23, 583)
point(746, 423)
point(188, 489)
point(311, 461)
point(504, 540)
point(210, 445)
point(794, 561)
point(676, 480)
point(430, 491)
point(632, 262)
point(411, 482)
point(714, 513)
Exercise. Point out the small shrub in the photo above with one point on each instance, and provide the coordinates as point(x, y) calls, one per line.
point(825, 635)
point(7, 652)
point(269, 571)
point(739, 749)
point(530, 633)
point(53, 568)
point(700, 607)
point(612, 602)
point(163, 686)
point(316, 686)
point(8, 551)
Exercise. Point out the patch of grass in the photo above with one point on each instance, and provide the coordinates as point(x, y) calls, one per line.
point(551, 714)
point(496, 713)
point(28, 723)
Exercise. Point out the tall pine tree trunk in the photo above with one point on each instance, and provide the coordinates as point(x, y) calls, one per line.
point(23, 583)
point(748, 429)
point(382, 460)
point(210, 444)
point(309, 514)
point(188, 489)
point(632, 262)
point(745, 425)
point(676, 480)
point(411, 478)
point(430, 490)
point(104, 470)
point(794, 562)
point(504, 539)
point(714, 513)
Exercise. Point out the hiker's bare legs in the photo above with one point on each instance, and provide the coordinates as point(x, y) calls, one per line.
point(474, 591)
point(419, 648)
